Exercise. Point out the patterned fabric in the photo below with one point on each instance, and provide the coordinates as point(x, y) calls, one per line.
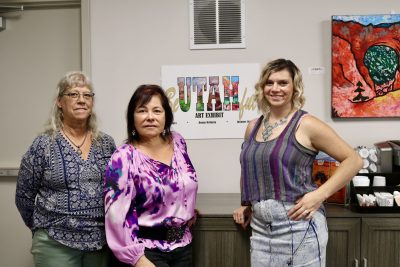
point(142, 191)
point(279, 169)
point(61, 193)
point(278, 241)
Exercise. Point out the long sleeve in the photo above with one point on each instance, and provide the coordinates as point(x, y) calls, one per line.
point(121, 221)
point(29, 179)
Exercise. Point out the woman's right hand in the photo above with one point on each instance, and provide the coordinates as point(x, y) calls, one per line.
point(144, 262)
point(242, 216)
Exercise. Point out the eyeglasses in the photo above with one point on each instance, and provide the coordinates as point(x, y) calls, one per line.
point(76, 95)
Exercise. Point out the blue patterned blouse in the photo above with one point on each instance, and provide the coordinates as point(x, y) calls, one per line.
point(62, 193)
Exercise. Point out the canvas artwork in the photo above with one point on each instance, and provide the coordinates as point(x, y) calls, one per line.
point(365, 66)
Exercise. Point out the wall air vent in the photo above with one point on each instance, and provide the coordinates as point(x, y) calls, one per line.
point(217, 24)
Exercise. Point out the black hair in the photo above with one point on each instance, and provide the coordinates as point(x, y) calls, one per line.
point(142, 95)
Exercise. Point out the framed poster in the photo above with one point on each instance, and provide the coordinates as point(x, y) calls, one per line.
point(365, 66)
point(211, 101)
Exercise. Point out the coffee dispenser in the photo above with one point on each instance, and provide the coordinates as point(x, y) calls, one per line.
point(388, 153)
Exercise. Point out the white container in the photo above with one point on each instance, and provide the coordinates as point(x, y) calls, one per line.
point(384, 199)
point(396, 195)
point(365, 163)
point(360, 180)
point(363, 152)
point(379, 181)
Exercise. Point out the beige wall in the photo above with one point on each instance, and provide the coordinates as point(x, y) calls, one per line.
point(131, 43)
point(36, 49)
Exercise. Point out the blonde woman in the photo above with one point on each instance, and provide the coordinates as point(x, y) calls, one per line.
point(279, 198)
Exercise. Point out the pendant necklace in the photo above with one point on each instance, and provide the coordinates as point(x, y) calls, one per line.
point(268, 128)
point(78, 148)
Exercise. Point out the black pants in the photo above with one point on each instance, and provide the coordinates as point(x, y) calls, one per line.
point(180, 257)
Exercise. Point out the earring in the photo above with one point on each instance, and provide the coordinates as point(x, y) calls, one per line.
point(133, 133)
point(164, 132)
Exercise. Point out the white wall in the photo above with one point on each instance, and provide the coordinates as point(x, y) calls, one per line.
point(131, 40)
point(36, 49)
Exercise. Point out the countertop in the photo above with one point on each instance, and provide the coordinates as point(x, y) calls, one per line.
point(223, 204)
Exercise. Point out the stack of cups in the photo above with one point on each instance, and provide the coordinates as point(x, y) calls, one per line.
point(369, 159)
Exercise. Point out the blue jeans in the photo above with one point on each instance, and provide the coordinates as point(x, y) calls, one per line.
point(278, 241)
point(47, 252)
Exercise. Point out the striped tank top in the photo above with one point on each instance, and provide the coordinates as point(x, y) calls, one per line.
point(279, 169)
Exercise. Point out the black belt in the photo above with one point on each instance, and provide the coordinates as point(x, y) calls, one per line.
point(168, 233)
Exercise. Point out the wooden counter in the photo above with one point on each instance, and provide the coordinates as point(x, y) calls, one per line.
point(223, 204)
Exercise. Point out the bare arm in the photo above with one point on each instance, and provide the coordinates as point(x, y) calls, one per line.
point(317, 135)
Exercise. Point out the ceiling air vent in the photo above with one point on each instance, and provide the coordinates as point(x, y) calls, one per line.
point(217, 24)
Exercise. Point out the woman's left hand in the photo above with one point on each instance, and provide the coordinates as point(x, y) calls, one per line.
point(306, 206)
point(242, 216)
point(192, 221)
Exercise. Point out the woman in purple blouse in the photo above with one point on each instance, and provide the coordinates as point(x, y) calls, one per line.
point(150, 187)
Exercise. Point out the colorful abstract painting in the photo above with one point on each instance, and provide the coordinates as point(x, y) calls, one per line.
point(365, 66)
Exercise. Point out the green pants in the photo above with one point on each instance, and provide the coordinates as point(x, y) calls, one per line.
point(49, 253)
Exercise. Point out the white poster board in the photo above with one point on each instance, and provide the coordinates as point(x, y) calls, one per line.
point(211, 101)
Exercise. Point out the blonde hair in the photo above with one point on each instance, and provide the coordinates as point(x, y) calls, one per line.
point(280, 64)
point(70, 80)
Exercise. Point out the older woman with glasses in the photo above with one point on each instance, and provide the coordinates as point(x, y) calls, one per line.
point(60, 183)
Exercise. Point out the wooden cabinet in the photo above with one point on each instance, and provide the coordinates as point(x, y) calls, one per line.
point(355, 239)
point(380, 242)
point(364, 241)
point(219, 242)
point(343, 243)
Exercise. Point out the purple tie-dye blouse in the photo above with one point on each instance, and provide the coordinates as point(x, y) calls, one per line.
point(142, 191)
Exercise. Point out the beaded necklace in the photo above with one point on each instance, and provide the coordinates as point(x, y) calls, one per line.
point(268, 128)
point(78, 147)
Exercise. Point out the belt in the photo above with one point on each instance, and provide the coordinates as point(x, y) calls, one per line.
point(168, 233)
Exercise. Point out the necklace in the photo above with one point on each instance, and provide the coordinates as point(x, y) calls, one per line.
point(78, 148)
point(268, 128)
